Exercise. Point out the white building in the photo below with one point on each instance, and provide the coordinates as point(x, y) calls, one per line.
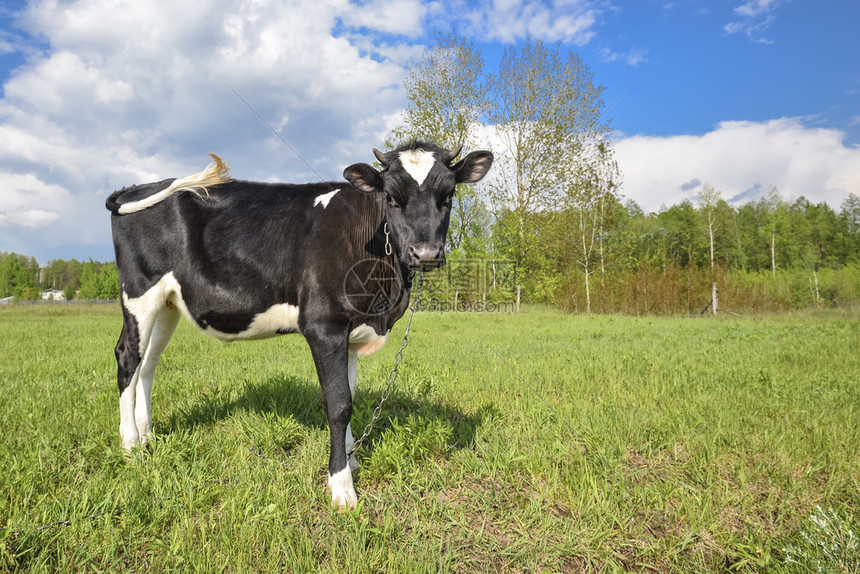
point(53, 295)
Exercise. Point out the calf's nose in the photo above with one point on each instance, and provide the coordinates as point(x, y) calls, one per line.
point(426, 254)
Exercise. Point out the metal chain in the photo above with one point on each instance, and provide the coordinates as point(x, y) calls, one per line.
point(392, 376)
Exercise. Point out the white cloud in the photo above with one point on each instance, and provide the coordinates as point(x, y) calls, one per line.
point(740, 158)
point(34, 218)
point(568, 21)
point(28, 202)
point(63, 75)
point(632, 57)
point(753, 18)
point(755, 8)
point(403, 17)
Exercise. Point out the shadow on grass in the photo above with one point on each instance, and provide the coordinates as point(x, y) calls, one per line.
point(301, 400)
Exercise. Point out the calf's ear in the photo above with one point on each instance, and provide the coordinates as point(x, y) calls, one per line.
point(362, 176)
point(473, 167)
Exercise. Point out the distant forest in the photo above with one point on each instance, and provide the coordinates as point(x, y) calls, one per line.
point(766, 255)
point(22, 277)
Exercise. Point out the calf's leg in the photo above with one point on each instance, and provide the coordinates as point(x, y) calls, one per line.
point(329, 348)
point(128, 360)
point(162, 330)
point(140, 316)
point(352, 374)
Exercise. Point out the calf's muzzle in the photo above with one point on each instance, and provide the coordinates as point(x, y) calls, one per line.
point(427, 255)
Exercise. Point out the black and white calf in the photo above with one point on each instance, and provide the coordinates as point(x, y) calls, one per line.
point(247, 260)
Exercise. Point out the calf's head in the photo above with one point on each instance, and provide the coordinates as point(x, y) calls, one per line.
point(419, 182)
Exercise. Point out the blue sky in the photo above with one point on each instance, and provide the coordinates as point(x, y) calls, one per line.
point(797, 59)
point(99, 94)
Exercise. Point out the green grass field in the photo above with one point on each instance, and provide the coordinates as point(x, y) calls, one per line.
point(537, 442)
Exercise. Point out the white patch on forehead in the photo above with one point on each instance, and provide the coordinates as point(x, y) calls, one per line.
point(417, 163)
point(325, 198)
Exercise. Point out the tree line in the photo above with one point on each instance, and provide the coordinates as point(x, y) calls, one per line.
point(22, 277)
point(554, 207)
point(769, 254)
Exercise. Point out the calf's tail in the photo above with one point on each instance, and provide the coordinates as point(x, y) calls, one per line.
point(216, 173)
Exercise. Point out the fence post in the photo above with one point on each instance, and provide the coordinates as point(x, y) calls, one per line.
point(714, 297)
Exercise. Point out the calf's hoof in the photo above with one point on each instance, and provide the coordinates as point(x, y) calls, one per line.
point(342, 489)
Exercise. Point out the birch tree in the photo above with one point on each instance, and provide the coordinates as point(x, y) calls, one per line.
point(592, 190)
point(708, 202)
point(544, 106)
point(776, 210)
point(850, 216)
